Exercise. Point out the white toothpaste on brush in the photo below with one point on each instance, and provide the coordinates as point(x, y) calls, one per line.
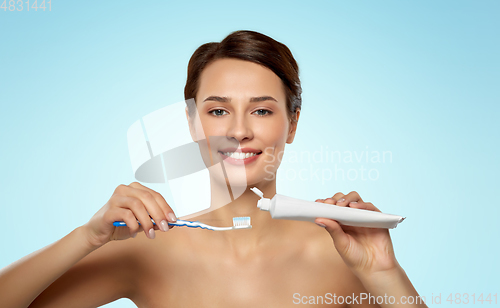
point(283, 207)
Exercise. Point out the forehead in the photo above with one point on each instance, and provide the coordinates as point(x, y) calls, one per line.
point(239, 79)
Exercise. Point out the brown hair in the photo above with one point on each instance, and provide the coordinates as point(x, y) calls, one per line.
point(254, 47)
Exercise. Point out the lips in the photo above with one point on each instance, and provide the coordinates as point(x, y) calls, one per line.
point(240, 150)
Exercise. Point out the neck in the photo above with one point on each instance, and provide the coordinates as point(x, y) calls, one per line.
point(264, 228)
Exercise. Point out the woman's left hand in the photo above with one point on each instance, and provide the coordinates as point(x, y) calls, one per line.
point(365, 250)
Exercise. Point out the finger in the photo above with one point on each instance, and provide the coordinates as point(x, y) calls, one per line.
point(160, 216)
point(334, 198)
point(121, 214)
point(350, 197)
point(167, 210)
point(129, 218)
point(152, 206)
point(329, 201)
point(131, 221)
point(340, 238)
point(139, 210)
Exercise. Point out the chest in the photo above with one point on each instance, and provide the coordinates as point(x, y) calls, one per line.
point(279, 280)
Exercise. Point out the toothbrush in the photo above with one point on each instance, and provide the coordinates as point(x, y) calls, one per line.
point(238, 223)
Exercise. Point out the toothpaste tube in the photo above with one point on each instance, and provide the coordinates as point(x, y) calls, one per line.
point(283, 207)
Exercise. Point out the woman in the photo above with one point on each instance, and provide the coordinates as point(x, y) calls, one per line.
point(247, 89)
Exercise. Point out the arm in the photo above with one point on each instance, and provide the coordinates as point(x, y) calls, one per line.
point(22, 281)
point(369, 253)
point(393, 283)
point(67, 273)
point(102, 276)
point(77, 270)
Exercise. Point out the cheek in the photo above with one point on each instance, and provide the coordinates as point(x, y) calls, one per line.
point(276, 132)
point(213, 127)
point(273, 138)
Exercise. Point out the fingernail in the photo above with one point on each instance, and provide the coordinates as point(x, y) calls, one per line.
point(341, 200)
point(135, 234)
point(151, 233)
point(320, 224)
point(164, 225)
point(354, 202)
point(172, 217)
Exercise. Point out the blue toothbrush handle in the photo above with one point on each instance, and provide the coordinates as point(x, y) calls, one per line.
point(123, 224)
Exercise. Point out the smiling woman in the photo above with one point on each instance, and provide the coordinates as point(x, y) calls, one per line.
point(247, 100)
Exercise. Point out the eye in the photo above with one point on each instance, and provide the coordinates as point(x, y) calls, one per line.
point(263, 112)
point(217, 112)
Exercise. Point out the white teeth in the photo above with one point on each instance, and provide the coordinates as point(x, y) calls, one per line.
point(239, 155)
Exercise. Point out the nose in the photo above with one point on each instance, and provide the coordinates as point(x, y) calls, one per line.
point(240, 129)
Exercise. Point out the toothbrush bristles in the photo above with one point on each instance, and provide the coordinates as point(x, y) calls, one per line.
point(241, 221)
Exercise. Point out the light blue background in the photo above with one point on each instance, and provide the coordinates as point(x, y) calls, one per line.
point(417, 78)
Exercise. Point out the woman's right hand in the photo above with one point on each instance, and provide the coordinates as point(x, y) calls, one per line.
point(129, 203)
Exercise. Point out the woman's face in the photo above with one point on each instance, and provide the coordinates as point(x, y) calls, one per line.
point(242, 108)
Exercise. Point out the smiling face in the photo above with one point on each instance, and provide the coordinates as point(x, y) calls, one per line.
point(242, 108)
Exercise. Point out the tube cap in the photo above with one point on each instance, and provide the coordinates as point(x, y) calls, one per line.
point(264, 204)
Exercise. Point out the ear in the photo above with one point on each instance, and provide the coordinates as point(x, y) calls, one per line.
point(293, 127)
point(192, 130)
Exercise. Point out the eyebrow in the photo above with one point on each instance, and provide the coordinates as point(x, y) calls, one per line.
point(224, 99)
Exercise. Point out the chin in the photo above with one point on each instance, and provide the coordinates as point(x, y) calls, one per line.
point(262, 178)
